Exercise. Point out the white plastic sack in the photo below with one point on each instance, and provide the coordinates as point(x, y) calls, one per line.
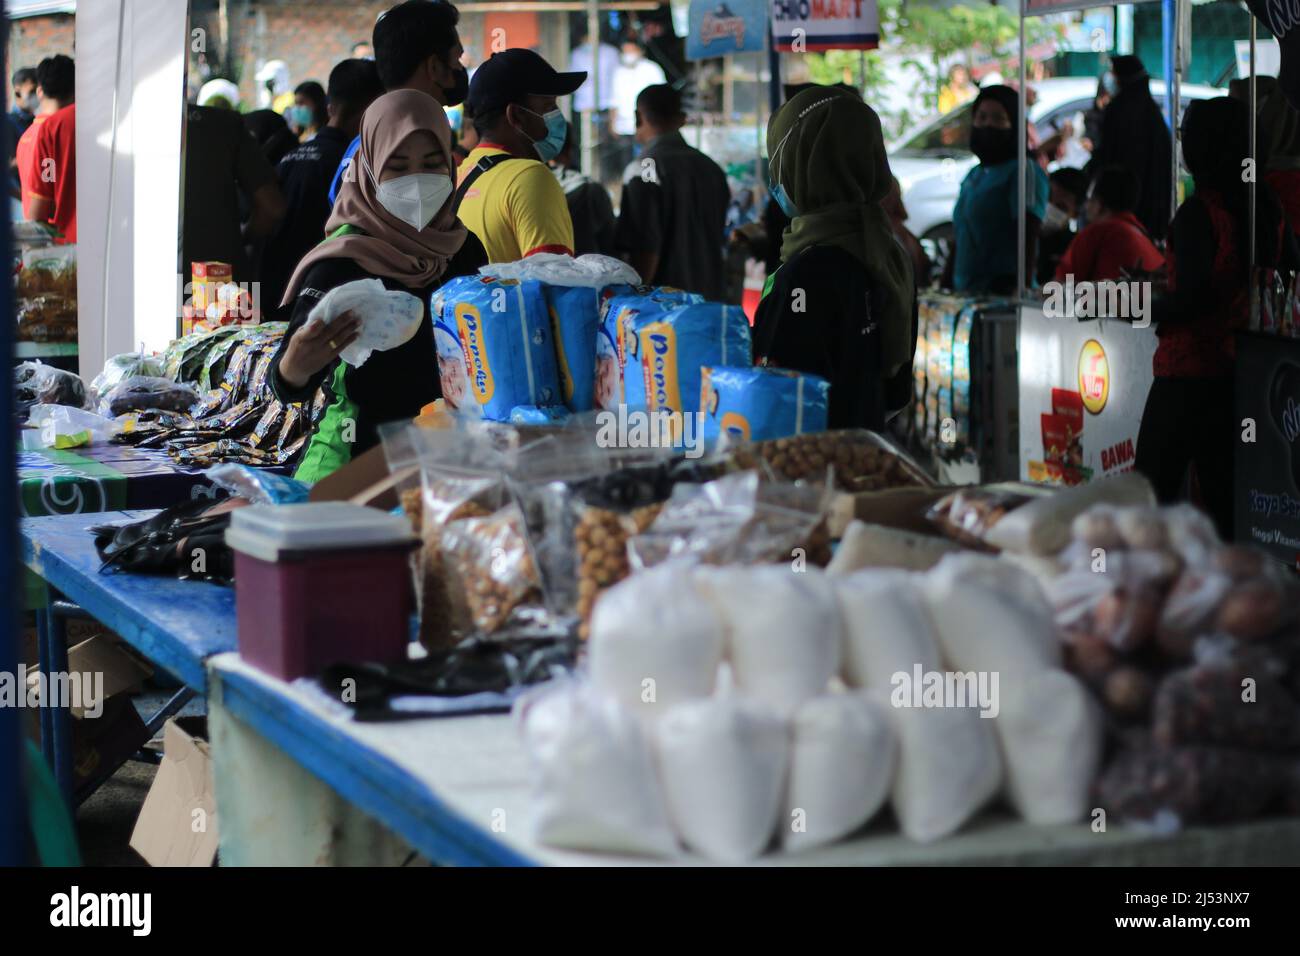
point(991, 617)
point(1050, 732)
point(948, 768)
point(723, 766)
point(784, 630)
point(654, 642)
point(388, 318)
point(594, 782)
point(887, 627)
point(841, 768)
point(592, 270)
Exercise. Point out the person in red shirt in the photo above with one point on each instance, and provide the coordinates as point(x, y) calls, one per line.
point(47, 153)
point(1114, 242)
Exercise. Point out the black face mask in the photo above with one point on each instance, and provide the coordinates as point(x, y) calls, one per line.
point(991, 144)
point(457, 92)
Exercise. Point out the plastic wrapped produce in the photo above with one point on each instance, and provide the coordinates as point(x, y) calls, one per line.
point(594, 780)
point(1225, 702)
point(1050, 732)
point(1181, 786)
point(723, 765)
point(38, 384)
point(138, 392)
point(127, 365)
point(784, 630)
point(887, 627)
point(842, 761)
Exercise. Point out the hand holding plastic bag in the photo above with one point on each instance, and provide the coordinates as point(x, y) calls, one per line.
point(388, 318)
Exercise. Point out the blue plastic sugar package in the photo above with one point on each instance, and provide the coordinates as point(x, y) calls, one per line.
point(667, 350)
point(616, 317)
point(757, 404)
point(575, 323)
point(494, 345)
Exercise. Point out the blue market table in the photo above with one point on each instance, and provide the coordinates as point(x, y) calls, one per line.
point(178, 625)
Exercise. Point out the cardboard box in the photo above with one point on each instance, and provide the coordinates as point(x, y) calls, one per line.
point(122, 668)
point(106, 742)
point(177, 825)
point(206, 279)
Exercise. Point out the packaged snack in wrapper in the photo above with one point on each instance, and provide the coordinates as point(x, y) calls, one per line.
point(757, 404)
point(667, 350)
point(617, 314)
point(494, 344)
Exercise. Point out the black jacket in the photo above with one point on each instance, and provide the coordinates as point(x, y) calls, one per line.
point(829, 330)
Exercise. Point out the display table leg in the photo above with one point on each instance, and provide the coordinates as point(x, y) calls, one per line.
point(272, 812)
point(56, 719)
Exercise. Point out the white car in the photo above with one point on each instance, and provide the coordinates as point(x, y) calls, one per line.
point(931, 163)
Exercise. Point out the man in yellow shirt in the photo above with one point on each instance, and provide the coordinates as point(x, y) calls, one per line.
point(506, 194)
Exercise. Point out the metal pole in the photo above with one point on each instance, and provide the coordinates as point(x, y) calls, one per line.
point(1254, 106)
point(13, 812)
point(1023, 167)
point(1175, 83)
point(589, 118)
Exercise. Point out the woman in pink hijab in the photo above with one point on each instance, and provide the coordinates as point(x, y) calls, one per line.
point(393, 221)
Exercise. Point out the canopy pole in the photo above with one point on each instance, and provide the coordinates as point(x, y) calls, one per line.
point(1254, 106)
point(1022, 213)
point(589, 118)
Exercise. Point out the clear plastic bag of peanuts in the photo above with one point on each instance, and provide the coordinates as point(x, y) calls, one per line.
point(462, 476)
point(859, 460)
point(489, 570)
point(740, 518)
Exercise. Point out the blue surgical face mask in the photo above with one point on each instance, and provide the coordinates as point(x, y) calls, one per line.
point(299, 116)
point(778, 189)
point(557, 129)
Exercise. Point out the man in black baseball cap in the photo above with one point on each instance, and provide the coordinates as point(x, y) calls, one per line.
point(507, 195)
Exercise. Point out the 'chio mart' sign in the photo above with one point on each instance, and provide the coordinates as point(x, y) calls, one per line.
point(812, 26)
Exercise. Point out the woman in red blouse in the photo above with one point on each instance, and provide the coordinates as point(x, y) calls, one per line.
point(1188, 416)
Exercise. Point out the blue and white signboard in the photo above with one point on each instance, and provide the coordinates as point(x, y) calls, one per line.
point(722, 27)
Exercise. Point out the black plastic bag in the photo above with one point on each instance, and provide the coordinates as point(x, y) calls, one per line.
point(186, 540)
point(477, 676)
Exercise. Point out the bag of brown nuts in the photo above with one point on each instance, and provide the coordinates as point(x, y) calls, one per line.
point(488, 569)
point(860, 460)
point(462, 477)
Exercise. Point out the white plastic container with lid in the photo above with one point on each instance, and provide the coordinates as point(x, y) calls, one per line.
point(320, 583)
point(268, 531)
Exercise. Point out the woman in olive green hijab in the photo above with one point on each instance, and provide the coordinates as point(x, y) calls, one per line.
point(843, 303)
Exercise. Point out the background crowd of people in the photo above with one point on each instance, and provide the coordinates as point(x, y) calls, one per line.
point(314, 187)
